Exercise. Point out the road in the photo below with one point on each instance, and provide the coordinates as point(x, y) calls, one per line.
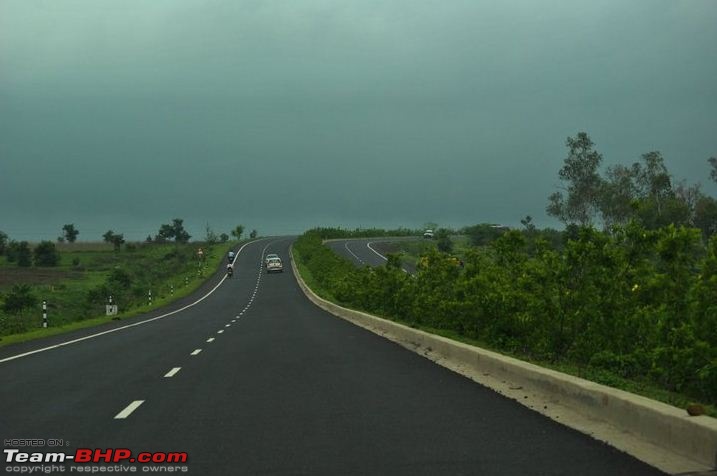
point(369, 251)
point(269, 384)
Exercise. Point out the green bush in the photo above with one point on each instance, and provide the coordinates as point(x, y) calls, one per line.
point(19, 298)
point(46, 254)
point(636, 303)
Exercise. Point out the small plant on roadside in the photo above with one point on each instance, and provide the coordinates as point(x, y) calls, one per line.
point(19, 298)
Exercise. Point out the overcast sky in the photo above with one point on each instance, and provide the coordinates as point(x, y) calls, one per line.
point(283, 115)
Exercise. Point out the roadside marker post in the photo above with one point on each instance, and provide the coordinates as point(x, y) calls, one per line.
point(44, 314)
point(171, 289)
point(110, 309)
point(149, 296)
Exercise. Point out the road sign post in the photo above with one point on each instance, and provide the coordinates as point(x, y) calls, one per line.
point(44, 314)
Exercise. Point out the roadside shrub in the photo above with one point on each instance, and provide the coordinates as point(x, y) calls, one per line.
point(19, 298)
point(19, 252)
point(46, 254)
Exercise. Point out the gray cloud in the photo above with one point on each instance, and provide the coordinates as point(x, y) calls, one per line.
point(282, 115)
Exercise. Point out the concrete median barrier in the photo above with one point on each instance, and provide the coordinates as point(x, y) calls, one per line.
point(659, 434)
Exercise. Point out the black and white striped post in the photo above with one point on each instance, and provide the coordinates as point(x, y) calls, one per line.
point(149, 295)
point(110, 300)
point(171, 289)
point(186, 280)
point(44, 313)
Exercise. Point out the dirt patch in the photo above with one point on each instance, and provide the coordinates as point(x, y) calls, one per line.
point(11, 276)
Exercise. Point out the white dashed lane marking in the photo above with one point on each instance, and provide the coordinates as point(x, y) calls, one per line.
point(196, 351)
point(210, 340)
point(128, 411)
point(172, 372)
point(220, 332)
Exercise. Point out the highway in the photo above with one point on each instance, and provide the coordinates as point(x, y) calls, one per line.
point(268, 384)
point(369, 251)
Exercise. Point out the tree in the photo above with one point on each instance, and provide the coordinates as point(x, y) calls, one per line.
point(580, 173)
point(253, 234)
point(117, 239)
point(654, 184)
point(223, 237)
point(617, 195)
point(3, 243)
point(527, 223)
point(237, 232)
point(444, 242)
point(166, 232)
point(70, 232)
point(180, 234)
point(211, 236)
point(713, 173)
point(706, 216)
point(174, 231)
point(19, 252)
point(46, 254)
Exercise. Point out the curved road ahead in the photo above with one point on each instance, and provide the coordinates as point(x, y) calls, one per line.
point(270, 384)
point(369, 251)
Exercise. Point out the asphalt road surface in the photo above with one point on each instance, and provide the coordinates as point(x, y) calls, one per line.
point(370, 251)
point(268, 384)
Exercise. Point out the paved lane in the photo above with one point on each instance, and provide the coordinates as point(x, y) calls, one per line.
point(369, 251)
point(284, 389)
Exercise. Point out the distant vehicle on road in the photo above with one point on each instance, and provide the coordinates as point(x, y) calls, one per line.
point(230, 256)
point(428, 234)
point(270, 256)
point(274, 265)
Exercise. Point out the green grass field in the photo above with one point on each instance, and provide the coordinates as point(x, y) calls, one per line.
point(78, 289)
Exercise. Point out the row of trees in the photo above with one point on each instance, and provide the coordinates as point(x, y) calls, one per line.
point(644, 192)
point(46, 254)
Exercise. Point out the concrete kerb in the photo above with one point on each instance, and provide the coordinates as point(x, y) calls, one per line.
point(657, 433)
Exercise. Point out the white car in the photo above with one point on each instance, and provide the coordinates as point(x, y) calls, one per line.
point(274, 265)
point(268, 257)
point(428, 234)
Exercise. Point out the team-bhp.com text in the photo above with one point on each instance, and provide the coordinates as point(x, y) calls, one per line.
point(20, 462)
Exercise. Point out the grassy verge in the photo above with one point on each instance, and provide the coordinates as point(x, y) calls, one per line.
point(78, 288)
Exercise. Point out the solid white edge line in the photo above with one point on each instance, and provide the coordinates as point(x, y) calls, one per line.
point(371, 248)
point(382, 256)
point(128, 411)
point(172, 372)
point(196, 351)
point(62, 344)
